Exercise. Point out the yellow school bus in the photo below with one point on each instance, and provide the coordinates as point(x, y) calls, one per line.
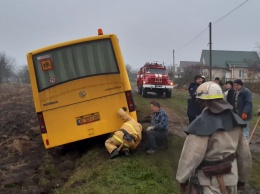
point(77, 87)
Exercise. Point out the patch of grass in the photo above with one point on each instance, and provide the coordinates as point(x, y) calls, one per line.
point(43, 181)
point(178, 102)
point(255, 174)
point(47, 170)
point(12, 185)
point(256, 106)
point(140, 173)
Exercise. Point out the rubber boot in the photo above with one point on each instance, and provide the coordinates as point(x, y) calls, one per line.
point(126, 153)
point(114, 153)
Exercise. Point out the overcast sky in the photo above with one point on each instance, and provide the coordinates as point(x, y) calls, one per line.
point(148, 30)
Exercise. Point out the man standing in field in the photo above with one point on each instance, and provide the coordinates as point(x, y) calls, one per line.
point(194, 109)
point(243, 104)
point(157, 133)
point(215, 158)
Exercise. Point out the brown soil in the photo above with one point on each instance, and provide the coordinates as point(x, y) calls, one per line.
point(23, 156)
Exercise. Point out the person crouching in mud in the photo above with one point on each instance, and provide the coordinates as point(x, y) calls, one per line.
point(128, 137)
point(215, 157)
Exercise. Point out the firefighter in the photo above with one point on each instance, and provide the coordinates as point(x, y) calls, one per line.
point(215, 157)
point(194, 109)
point(128, 137)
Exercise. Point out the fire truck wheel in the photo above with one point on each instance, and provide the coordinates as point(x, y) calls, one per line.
point(140, 89)
point(144, 93)
point(168, 94)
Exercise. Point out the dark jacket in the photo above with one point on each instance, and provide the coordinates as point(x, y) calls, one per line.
point(194, 108)
point(244, 103)
point(230, 97)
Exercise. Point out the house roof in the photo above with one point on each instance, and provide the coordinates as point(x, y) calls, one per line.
point(223, 59)
point(184, 64)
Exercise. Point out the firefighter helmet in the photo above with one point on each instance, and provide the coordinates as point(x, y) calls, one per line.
point(209, 90)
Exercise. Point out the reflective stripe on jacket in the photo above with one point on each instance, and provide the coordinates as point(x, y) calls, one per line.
point(121, 141)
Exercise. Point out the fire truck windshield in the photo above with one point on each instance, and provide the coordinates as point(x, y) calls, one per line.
point(155, 71)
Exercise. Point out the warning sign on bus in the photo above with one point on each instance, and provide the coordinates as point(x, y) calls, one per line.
point(46, 64)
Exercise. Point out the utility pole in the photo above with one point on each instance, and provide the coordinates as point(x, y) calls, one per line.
point(173, 64)
point(210, 53)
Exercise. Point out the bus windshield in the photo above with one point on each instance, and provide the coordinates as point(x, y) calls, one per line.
point(75, 61)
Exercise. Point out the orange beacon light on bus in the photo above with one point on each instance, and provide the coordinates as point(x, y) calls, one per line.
point(100, 31)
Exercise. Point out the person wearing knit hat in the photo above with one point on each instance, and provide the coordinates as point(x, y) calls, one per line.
point(194, 108)
point(239, 82)
point(197, 77)
point(243, 104)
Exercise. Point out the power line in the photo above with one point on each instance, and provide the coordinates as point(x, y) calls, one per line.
point(230, 12)
point(193, 39)
point(212, 24)
point(189, 42)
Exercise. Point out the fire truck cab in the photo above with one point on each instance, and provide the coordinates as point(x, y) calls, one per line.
point(152, 77)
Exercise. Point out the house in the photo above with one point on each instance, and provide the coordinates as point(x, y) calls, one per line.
point(231, 65)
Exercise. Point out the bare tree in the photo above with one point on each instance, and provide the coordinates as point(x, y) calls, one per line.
point(187, 74)
point(22, 75)
point(258, 47)
point(6, 67)
point(131, 73)
point(254, 69)
point(128, 68)
point(170, 72)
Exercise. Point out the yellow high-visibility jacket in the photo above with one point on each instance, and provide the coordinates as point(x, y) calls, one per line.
point(132, 127)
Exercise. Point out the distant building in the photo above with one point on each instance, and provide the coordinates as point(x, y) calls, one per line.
point(230, 65)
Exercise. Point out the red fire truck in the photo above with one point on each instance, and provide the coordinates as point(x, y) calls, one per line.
point(152, 77)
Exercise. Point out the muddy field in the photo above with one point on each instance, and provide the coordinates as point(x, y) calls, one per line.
point(23, 156)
